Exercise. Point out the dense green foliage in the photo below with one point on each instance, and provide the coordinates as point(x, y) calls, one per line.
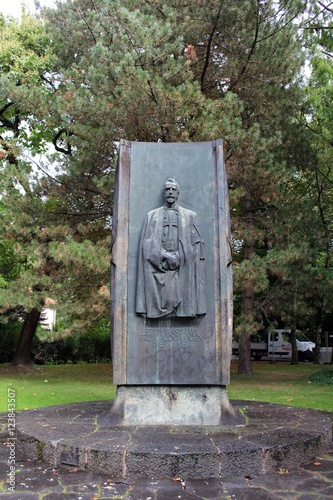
point(90, 346)
point(89, 73)
point(9, 333)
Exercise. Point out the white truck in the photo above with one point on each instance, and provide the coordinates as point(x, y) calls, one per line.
point(277, 345)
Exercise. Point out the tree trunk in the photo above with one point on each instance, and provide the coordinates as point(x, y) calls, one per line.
point(22, 354)
point(319, 332)
point(294, 352)
point(244, 348)
point(244, 353)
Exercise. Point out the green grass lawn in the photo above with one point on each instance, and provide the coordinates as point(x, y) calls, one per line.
point(38, 386)
point(282, 383)
point(49, 385)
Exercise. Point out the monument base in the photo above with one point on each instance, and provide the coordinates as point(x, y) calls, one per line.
point(274, 437)
point(173, 405)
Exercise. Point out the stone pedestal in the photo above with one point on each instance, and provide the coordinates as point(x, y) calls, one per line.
point(173, 405)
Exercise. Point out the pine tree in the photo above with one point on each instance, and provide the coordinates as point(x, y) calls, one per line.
point(248, 56)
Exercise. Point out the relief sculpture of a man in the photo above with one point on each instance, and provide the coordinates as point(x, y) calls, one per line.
point(171, 261)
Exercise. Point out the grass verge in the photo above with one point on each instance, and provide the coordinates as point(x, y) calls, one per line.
point(282, 383)
point(38, 386)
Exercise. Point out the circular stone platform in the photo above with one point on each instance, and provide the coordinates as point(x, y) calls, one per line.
point(273, 437)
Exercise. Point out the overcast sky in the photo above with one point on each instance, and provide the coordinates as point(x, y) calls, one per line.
point(13, 7)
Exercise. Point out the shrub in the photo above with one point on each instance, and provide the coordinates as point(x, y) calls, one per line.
point(90, 346)
point(9, 333)
point(323, 377)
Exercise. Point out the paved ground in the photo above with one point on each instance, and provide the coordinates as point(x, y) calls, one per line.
point(36, 481)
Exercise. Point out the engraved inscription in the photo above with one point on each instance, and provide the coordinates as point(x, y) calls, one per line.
point(160, 337)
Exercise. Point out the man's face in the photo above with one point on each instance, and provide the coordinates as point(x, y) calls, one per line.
point(171, 193)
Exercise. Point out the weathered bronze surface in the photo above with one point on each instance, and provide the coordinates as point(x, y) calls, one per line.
point(181, 335)
point(171, 274)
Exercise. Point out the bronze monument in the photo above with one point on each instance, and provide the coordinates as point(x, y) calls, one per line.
point(171, 285)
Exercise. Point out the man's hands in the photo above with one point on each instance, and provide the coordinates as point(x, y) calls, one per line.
point(170, 261)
